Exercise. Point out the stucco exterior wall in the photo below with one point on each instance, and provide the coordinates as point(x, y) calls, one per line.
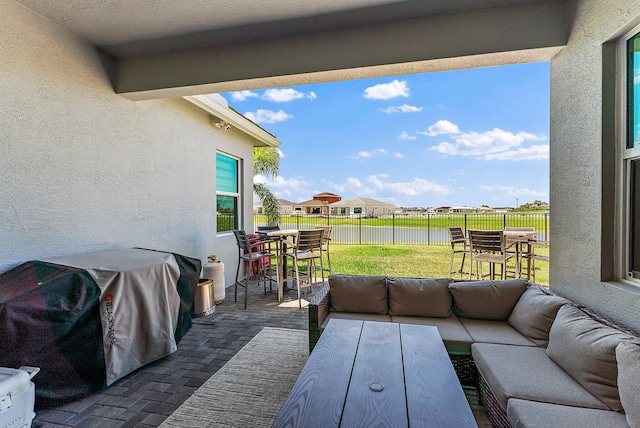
point(582, 161)
point(84, 169)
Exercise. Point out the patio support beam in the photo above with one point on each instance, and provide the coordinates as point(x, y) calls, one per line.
point(483, 37)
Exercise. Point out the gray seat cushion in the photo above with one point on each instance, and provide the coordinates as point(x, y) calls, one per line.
point(586, 349)
point(420, 297)
point(527, 372)
point(628, 356)
point(453, 334)
point(483, 331)
point(358, 293)
point(486, 300)
point(534, 313)
point(354, 316)
point(532, 414)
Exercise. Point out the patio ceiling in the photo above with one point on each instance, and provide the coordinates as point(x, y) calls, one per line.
point(174, 48)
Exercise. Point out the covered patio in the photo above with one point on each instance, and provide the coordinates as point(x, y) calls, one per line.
point(99, 149)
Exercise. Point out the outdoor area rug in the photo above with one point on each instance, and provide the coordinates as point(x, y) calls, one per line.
point(249, 390)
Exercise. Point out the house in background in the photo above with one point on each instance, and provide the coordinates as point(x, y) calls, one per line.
point(312, 206)
point(286, 207)
point(365, 207)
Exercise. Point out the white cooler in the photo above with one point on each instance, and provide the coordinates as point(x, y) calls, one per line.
point(17, 396)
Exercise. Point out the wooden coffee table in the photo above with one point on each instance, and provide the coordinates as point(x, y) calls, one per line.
point(365, 373)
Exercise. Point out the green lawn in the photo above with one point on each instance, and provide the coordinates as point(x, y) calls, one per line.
point(403, 260)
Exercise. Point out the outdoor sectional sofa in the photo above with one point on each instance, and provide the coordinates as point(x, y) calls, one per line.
point(537, 359)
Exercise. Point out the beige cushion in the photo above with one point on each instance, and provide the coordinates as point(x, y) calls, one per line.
point(628, 356)
point(358, 293)
point(526, 372)
point(530, 414)
point(353, 316)
point(487, 300)
point(420, 297)
point(586, 349)
point(534, 313)
point(485, 331)
point(453, 334)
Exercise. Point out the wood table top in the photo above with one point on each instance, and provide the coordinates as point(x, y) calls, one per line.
point(366, 373)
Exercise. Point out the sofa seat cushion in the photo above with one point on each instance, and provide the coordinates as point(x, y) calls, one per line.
point(628, 356)
point(527, 372)
point(534, 313)
point(530, 414)
point(453, 334)
point(354, 316)
point(586, 349)
point(486, 300)
point(358, 293)
point(483, 331)
point(420, 297)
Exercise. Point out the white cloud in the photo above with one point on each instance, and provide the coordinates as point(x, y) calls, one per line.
point(398, 155)
point(493, 145)
point(405, 136)
point(280, 153)
point(243, 95)
point(441, 127)
point(404, 108)
point(537, 152)
point(369, 154)
point(385, 91)
point(416, 187)
point(285, 187)
point(513, 192)
point(268, 116)
point(286, 95)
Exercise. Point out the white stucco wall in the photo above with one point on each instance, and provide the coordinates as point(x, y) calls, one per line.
point(84, 169)
point(582, 162)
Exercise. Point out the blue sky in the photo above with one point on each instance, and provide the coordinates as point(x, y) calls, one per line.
point(466, 137)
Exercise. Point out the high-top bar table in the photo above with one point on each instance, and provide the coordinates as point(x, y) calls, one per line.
point(366, 373)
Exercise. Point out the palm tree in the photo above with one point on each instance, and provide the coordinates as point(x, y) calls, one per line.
point(266, 161)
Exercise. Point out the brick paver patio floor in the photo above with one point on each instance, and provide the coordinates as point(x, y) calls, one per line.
point(146, 397)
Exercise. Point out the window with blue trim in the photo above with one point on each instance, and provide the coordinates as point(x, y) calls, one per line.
point(227, 193)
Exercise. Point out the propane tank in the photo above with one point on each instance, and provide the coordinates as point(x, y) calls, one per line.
point(214, 270)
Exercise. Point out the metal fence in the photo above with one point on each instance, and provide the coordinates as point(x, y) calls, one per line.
point(422, 229)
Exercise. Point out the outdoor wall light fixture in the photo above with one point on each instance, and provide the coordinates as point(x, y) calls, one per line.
point(223, 125)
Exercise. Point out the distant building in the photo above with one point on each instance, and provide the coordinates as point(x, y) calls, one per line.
point(327, 197)
point(286, 207)
point(362, 206)
point(462, 209)
point(312, 206)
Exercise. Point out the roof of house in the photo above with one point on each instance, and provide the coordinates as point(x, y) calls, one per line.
point(326, 194)
point(312, 203)
point(216, 105)
point(360, 201)
point(283, 202)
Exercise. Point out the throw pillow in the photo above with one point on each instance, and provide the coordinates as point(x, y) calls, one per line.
point(586, 350)
point(358, 293)
point(420, 297)
point(486, 300)
point(628, 356)
point(534, 313)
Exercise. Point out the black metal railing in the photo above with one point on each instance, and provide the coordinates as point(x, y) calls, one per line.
point(423, 229)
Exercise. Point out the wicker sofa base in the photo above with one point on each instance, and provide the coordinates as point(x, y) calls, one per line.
point(465, 369)
point(490, 403)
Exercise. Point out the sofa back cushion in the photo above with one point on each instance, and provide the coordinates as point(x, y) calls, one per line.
point(358, 293)
point(628, 356)
point(534, 313)
point(586, 350)
point(420, 297)
point(486, 300)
